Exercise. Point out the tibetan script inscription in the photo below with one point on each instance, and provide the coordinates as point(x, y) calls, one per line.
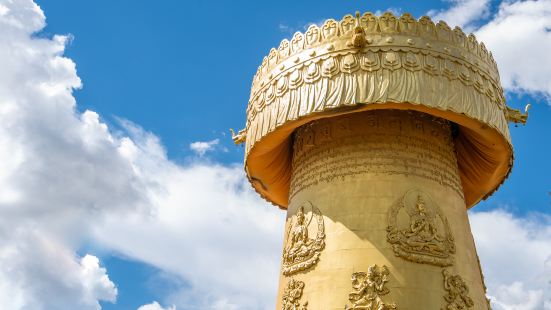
point(302, 252)
point(369, 288)
point(292, 295)
point(457, 292)
point(374, 142)
point(425, 237)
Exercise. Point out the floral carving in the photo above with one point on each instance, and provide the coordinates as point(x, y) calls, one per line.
point(457, 296)
point(426, 236)
point(312, 35)
point(302, 252)
point(292, 295)
point(329, 29)
point(347, 23)
point(369, 22)
point(368, 289)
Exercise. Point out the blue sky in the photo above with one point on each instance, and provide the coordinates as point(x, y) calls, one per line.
point(163, 75)
point(182, 70)
point(154, 64)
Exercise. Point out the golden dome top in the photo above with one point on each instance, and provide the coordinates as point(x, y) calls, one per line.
point(367, 62)
point(387, 31)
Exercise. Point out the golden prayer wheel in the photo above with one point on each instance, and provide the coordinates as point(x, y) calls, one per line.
point(376, 134)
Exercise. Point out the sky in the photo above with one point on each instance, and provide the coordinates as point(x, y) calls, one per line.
point(120, 187)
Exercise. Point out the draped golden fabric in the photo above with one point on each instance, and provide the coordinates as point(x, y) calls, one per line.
point(405, 64)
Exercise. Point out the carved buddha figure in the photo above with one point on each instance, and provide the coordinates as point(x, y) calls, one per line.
point(422, 233)
point(302, 252)
point(292, 295)
point(368, 289)
point(457, 292)
point(299, 245)
point(426, 236)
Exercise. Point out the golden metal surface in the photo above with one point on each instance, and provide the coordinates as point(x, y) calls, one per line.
point(291, 299)
point(302, 252)
point(387, 185)
point(377, 133)
point(515, 116)
point(457, 292)
point(425, 236)
point(370, 62)
point(369, 288)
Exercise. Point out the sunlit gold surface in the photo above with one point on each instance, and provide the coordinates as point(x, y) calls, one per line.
point(372, 62)
point(516, 116)
point(370, 174)
point(377, 133)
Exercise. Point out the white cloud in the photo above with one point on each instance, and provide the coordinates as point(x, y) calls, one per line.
point(208, 227)
point(96, 279)
point(519, 37)
point(66, 178)
point(201, 147)
point(284, 28)
point(24, 16)
point(515, 254)
point(54, 166)
point(462, 13)
point(155, 306)
point(3, 10)
point(517, 297)
point(39, 273)
point(395, 11)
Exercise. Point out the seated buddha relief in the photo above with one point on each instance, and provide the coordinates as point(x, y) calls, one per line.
point(302, 251)
point(419, 232)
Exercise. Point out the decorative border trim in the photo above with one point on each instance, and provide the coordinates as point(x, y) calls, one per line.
point(378, 75)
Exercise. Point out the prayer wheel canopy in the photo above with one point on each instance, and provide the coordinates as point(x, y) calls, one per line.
point(367, 62)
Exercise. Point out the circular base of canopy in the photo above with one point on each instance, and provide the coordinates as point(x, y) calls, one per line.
point(484, 156)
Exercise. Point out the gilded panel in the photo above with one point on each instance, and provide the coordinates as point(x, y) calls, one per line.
point(424, 234)
point(302, 252)
point(369, 288)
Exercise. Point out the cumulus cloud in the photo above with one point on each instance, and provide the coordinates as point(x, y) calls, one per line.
point(201, 147)
point(155, 306)
point(66, 178)
point(519, 36)
point(515, 254)
point(49, 177)
point(518, 297)
point(207, 221)
point(37, 272)
point(462, 13)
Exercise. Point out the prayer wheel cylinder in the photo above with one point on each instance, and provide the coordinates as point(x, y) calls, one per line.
point(386, 188)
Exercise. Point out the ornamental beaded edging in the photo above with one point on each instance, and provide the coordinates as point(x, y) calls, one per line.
point(359, 43)
point(460, 45)
point(365, 63)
